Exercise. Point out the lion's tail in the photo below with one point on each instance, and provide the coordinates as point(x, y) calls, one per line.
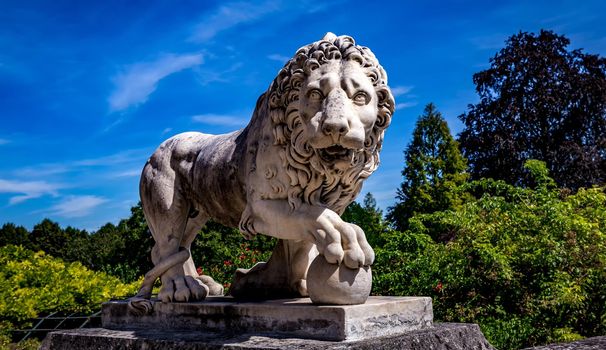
point(141, 304)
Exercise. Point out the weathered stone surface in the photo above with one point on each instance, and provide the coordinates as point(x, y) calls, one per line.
point(313, 138)
point(444, 336)
point(337, 284)
point(595, 343)
point(379, 316)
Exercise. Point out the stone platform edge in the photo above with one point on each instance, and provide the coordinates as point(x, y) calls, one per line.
point(297, 318)
point(443, 336)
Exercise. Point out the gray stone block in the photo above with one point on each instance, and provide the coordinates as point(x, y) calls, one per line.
point(595, 343)
point(444, 336)
point(295, 318)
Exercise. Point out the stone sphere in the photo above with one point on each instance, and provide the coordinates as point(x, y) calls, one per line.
point(337, 284)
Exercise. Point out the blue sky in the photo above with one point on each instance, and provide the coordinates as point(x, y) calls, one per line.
point(88, 89)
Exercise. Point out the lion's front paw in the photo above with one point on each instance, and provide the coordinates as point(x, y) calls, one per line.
point(182, 289)
point(340, 241)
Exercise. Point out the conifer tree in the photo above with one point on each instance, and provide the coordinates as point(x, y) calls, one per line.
point(434, 169)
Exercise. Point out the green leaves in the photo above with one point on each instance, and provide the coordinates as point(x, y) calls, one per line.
point(35, 283)
point(433, 171)
point(528, 265)
point(539, 100)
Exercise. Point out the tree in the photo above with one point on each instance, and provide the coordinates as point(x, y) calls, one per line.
point(527, 264)
point(123, 250)
point(368, 216)
point(538, 100)
point(49, 237)
point(16, 235)
point(434, 169)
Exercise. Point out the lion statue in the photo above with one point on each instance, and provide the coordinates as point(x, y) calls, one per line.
point(314, 137)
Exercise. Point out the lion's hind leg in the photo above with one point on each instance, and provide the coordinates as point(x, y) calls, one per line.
point(195, 223)
point(167, 214)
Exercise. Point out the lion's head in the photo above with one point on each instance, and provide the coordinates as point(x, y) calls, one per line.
point(329, 108)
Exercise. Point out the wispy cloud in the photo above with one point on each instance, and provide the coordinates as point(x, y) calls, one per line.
point(28, 189)
point(166, 131)
point(4, 141)
point(219, 119)
point(207, 76)
point(278, 57)
point(113, 159)
point(138, 81)
point(76, 206)
point(128, 173)
point(400, 90)
point(406, 105)
point(121, 159)
point(231, 15)
point(42, 170)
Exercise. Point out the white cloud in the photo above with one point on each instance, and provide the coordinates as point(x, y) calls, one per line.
point(134, 86)
point(42, 170)
point(4, 141)
point(400, 90)
point(278, 57)
point(219, 119)
point(28, 189)
point(128, 173)
point(133, 155)
point(166, 131)
point(231, 15)
point(76, 206)
point(207, 76)
point(406, 105)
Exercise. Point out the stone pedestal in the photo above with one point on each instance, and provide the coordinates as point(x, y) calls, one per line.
point(299, 318)
point(443, 336)
point(222, 323)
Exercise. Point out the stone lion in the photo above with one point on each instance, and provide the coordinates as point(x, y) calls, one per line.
point(314, 136)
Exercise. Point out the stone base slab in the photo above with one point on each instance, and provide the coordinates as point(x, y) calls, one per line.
point(443, 336)
point(294, 318)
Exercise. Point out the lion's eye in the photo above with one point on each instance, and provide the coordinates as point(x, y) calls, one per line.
point(360, 98)
point(316, 95)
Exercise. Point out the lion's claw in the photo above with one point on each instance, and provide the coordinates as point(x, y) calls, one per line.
point(334, 253)
point(182, 289)
point(340, 241)
point(354, 258)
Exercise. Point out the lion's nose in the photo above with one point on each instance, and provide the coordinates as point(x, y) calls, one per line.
point(335, 126)
point(335, 123)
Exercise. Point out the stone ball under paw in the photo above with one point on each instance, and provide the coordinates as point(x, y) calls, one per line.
point(337, 284)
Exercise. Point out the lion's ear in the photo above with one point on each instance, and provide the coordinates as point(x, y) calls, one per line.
point(386, 106)
point(279, 129)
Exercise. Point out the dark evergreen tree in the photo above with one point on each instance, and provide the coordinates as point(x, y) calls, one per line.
point(49, 237)
point(78, 246)
point(538, 100)
point(368, 216)
point(434, 169)
point(16, 235)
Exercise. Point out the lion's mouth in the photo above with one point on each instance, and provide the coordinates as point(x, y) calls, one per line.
point(335, 153)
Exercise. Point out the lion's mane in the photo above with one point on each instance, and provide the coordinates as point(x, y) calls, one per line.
point(311, 180)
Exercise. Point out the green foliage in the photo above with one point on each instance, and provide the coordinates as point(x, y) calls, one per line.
point(28, 344)
point(122, 250)
point(368, 216)
point(219, 250)
point(434, 169)
point(35, 283)
point(17, 235)
point(528, 265)
point(539, 100)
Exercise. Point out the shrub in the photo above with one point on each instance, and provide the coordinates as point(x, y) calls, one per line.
point(528, 265)
point(35, 283)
